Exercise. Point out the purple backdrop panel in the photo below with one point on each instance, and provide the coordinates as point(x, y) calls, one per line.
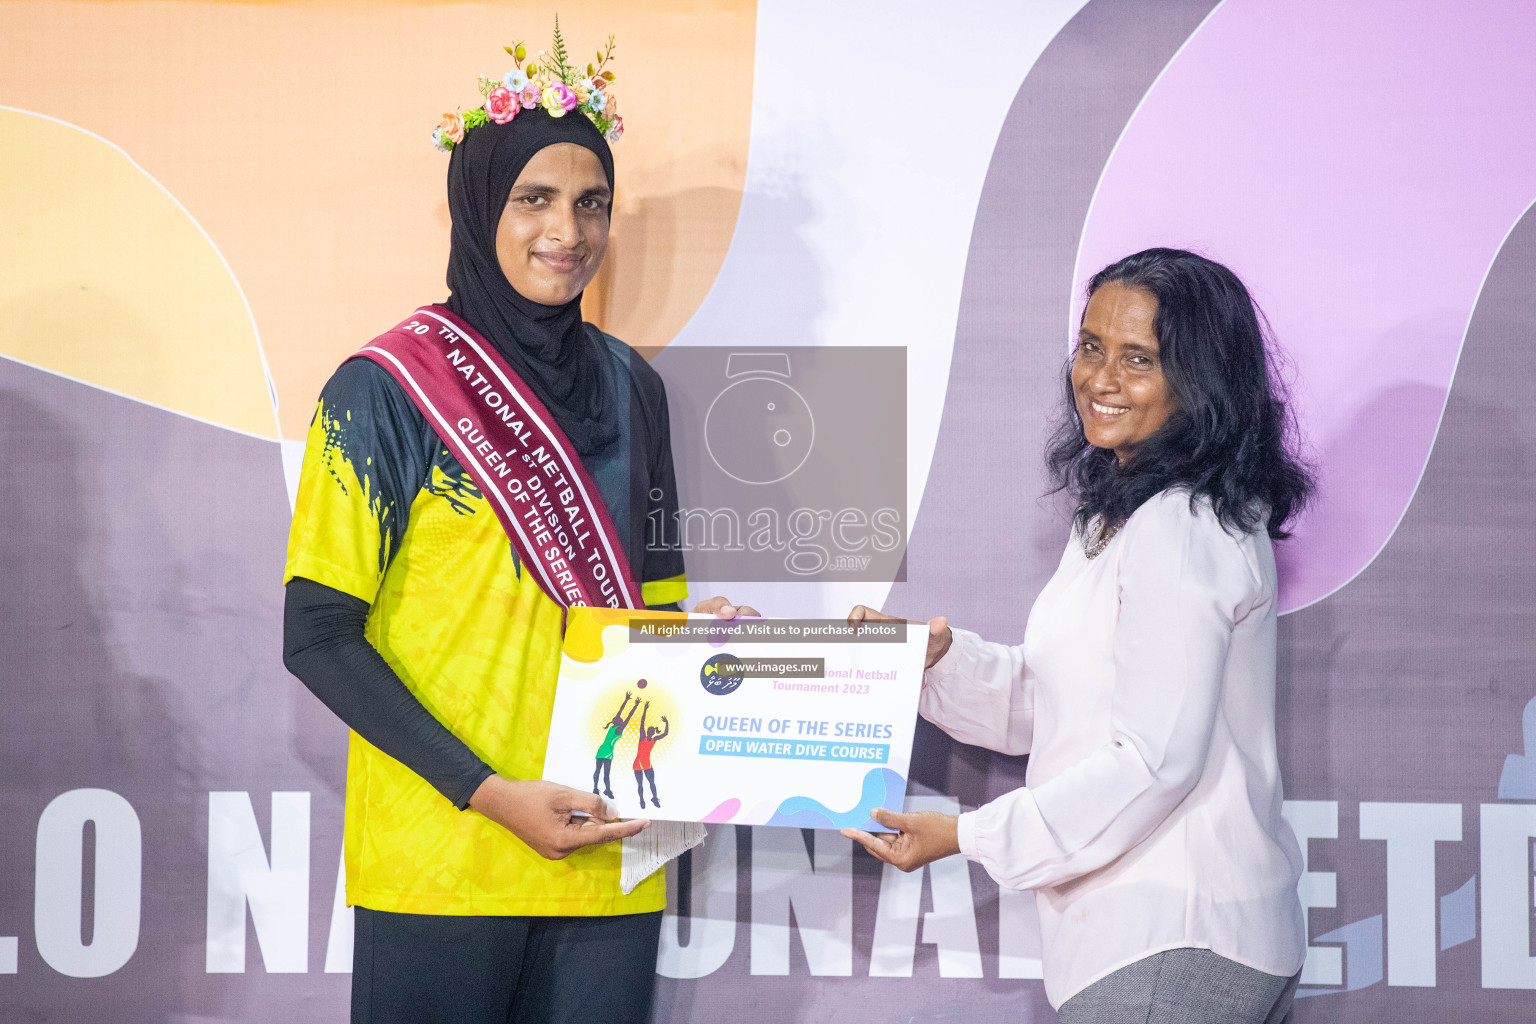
point(1358, 164)
point(1411, 693)
point(141, 653)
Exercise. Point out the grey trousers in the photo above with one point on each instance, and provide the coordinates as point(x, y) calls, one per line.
point(1183, 986)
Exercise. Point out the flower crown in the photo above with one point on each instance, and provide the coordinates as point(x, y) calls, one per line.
point(550, 81)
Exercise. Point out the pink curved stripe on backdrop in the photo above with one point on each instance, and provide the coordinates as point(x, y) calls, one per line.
point(1358, 164)
point(725, 812)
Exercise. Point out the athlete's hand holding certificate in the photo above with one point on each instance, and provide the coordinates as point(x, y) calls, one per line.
point(803, 723)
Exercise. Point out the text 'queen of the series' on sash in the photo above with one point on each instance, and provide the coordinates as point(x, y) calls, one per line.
point(552, 513)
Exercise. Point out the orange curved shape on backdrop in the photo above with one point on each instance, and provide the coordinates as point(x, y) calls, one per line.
point(104, 278)
point(296, 134)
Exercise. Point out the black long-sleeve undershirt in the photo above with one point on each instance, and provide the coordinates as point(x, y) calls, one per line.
point(324, 645)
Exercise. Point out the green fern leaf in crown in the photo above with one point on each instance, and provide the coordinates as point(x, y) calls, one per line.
point(562, 59)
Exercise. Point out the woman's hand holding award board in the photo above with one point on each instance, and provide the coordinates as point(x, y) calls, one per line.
point(797, 722)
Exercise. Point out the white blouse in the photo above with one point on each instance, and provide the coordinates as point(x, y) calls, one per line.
point(1144, 694)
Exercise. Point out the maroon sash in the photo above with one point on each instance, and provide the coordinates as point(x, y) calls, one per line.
point(523, 463)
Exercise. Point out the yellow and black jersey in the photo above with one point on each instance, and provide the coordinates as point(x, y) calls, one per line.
point(385, 513)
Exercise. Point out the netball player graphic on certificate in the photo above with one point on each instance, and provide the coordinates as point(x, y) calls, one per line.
point(616, 727)
point(792, 723)
point(649, 737)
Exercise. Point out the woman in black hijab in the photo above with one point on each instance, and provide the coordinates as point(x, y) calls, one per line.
point(535, 318)
point(482, 892)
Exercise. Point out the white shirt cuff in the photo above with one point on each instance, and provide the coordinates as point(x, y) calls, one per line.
point(965, 828)
point(943, 670)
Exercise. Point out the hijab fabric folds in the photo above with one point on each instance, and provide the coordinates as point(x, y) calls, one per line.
point(562, 359)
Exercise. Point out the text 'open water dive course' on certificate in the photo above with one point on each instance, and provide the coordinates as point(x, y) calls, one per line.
point(796, 722)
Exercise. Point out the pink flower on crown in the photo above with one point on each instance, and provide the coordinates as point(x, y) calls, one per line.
point(616, 130)
point(452, 127)
point(558, 99)
point(531, 97)
point(500, 105)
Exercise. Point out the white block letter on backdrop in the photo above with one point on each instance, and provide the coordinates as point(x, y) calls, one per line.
point(822, 899)
point(239, 873)
point(1410, 832)
point(950, 925)
point(1018, 935)
point(1316, 819)
point(119, 875)
point(1507, 830)
point(711, 909)
point(338, 943)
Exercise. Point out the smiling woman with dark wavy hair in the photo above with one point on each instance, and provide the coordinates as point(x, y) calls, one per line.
point(1218, 423)
point(1150, 824)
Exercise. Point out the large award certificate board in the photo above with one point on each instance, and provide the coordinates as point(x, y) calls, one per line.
point(800, 723)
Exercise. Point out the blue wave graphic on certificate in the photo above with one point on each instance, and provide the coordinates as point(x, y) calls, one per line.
point(882, 788)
